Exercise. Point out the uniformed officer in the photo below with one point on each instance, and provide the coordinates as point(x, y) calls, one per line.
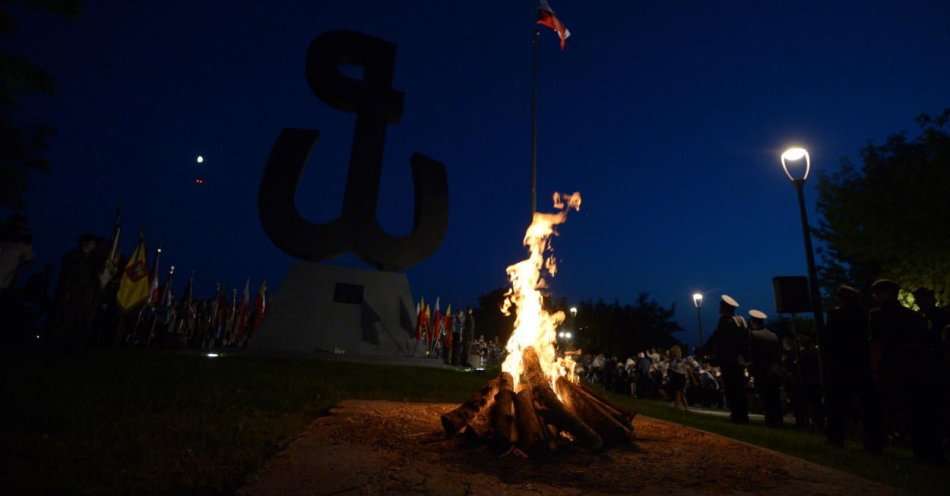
point(765, 352)
point(730, 345)
point(899, 364)
point(938, 328)
point(845, 359)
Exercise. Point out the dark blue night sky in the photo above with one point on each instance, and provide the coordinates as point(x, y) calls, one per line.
point(668, 117)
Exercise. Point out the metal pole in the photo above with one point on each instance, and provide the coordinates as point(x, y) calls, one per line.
point(699, 323)
point(534, 121)
point(812, 276)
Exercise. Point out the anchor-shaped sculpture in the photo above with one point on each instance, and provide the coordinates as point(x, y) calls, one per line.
point(376, 105)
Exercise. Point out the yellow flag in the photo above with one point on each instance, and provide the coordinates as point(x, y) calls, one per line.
point(133, 287)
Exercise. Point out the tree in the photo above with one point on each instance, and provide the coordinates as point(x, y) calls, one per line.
point(888, 216)
point(489, 321)
point(623, 330)
point(22, 146)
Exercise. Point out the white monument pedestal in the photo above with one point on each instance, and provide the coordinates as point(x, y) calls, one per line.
point(339, 310)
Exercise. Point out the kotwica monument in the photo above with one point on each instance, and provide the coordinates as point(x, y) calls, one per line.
point(330, 309)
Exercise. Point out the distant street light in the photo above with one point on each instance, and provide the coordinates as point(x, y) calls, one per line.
point(793, 157)
point(573, 312)
point(698, 302)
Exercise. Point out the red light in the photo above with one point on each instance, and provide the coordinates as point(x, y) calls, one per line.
point(199, 181)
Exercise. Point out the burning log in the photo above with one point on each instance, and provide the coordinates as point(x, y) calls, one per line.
point(532, 374)
point(503, 413)
point(593, 412)
point(555, 413)
point(480, 402)
point(531, 432)
point(622, 415)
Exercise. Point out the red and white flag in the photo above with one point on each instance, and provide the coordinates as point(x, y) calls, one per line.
point(547, 18)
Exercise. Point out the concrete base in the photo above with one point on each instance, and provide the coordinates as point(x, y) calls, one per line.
point(340, 310)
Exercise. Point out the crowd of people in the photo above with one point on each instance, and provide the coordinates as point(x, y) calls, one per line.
point(881, 372)
point(651, 374)
point(878, 373)
point(85, 306)
point(450, 336)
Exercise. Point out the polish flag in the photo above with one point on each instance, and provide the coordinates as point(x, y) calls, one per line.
point(547, 18)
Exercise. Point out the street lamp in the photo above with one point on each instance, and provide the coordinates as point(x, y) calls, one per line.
point(573, 312)
point(796, 158)
point(698, 301)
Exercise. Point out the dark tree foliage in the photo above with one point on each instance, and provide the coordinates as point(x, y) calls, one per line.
point(22, 144)
point(489, 320)
point(626, 329)
point(889, 215)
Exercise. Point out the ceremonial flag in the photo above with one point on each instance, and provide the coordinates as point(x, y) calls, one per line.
point(547, 18)
point(420, 318)
point(260, 305)
point(240, 322)
point(167, 299)
point(186, 311)
point(436, 323)
point(428, 323)
point(185, 302)
point(133, 287)
point(448, 327)
point(153, 292)
point(110, 266)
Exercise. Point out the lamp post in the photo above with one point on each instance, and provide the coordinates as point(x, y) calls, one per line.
point(797, 156)
point(698, 302)
point(573, 312)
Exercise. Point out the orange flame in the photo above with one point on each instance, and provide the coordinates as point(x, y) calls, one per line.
point(534, 326)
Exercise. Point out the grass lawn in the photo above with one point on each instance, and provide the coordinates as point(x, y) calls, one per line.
point(132, 421)
point(895, 467)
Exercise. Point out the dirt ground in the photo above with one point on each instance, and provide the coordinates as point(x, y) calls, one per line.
point(379, 447)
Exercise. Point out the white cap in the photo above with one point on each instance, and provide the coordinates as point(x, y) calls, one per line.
point(758, 314)
point(729, 301)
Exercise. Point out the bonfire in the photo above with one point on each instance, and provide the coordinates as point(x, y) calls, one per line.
point(538, 403)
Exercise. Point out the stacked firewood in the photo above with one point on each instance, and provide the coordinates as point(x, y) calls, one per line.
point(533, 419)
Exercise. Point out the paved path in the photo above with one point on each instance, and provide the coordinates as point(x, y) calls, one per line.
point(378, 447)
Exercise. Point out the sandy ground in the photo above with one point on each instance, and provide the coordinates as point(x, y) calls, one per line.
point(379, 447)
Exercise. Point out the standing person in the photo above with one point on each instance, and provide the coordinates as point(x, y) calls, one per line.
point(899, 364)
point(16, 251)
point(765, 351)
point(730, 345)
point(938, 328)
point(678, 376)
point(75, 296)
point(448, 333)
point(845, 358)
point(468, 335)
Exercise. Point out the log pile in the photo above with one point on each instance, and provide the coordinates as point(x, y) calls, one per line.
point(533, 419)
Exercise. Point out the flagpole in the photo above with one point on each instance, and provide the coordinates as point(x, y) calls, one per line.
point(534, 121)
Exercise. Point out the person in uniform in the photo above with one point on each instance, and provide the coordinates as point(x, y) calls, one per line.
point(899, 363)
point(845, 359)
point(765, 352)
point(938, 328)
point(730, 346)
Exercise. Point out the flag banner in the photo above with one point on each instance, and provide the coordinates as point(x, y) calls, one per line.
point(153, 292)
point(110, 266)
point(547, 18)
point(260, 307)
point(133, 287)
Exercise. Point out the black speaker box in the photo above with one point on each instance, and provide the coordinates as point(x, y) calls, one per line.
point(791, 294)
